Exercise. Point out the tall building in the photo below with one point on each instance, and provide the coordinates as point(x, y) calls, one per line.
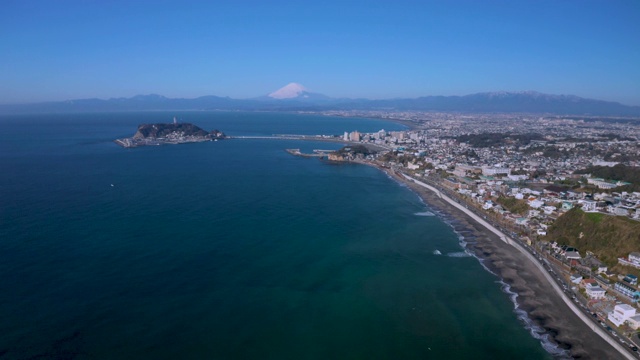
point(354, 136)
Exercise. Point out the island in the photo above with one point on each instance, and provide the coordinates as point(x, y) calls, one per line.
point(172, 133)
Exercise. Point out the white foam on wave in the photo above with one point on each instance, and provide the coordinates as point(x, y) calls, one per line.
point(424, 213)
point(462, 243)
point(459, 254)
point(536, 331)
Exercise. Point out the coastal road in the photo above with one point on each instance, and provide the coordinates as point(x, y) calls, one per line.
point(603, 334)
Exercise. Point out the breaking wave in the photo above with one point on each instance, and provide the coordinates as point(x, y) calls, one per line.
point(425, 213)
point(459, 254)
point(536, 331)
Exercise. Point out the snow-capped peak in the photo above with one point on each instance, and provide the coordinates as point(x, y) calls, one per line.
point(288, 92)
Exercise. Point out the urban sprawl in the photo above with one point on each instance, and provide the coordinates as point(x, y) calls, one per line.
point(522, 173)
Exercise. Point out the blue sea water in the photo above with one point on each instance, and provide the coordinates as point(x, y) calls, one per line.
point(229, 250)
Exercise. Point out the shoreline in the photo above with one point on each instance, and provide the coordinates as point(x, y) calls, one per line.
point(563, 330)
point(542, 305)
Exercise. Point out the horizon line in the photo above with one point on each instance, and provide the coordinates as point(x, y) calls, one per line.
point(333, 98)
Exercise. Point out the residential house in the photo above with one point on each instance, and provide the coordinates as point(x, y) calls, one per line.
point(576, 278)
point(632, 260)
point(621, 313)
point(589, 205)
point(631, 279)
point(595, 292)
point(634, 322)
point(626, 290)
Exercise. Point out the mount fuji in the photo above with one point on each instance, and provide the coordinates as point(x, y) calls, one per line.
point(295, 91)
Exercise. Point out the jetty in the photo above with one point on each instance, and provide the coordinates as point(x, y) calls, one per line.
point(316, 153)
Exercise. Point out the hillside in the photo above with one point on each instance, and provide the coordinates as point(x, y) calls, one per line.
point(609, 237)
point(619, 172)
point(514, 205)
point(162, 130)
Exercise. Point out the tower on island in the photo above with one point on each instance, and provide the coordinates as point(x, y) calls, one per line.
point(175, 121)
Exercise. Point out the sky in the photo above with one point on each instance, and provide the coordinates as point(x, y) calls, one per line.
point(60, 50)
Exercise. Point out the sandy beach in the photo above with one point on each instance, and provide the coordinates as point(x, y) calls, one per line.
point(535, 295)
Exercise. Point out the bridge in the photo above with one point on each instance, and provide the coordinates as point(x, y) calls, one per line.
point(290, 137)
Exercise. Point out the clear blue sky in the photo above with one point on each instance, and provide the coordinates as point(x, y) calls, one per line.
point(57, 50)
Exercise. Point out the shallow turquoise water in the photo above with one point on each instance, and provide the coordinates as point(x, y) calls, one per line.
point(229, 249)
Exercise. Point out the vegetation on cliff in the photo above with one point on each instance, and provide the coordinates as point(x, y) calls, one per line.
point(514, 205)
point(355, 149)
point(619, 172)
point(155, 131)
point(608, 237)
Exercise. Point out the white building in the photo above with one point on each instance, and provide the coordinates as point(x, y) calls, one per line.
point(605, 163)
point(621, 313)
point(576, 278)
point(536, 203)
point(620, 211)
point(604, 184)
point(588, 205)
point(518, 177)
point(595, 292)
point(632, 260)
point(492, 171)
point(634, 322)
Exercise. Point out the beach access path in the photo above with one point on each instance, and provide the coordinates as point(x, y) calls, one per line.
point(621, 349)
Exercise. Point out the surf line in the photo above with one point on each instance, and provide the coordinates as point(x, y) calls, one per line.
point(531, 258)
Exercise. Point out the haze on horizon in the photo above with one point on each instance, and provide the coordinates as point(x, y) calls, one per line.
point(359, 49)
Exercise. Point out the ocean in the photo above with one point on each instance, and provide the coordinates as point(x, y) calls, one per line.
point(232, 249)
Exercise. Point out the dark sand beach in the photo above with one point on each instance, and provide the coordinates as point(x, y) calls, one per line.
point(535, 295)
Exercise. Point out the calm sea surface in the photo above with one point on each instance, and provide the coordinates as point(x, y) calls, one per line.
point(228, 250)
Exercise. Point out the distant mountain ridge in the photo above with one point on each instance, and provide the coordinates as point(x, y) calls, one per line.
point(524, 102)
point(296, 97)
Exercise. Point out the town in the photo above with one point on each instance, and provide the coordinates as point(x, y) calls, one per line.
point(547, 181)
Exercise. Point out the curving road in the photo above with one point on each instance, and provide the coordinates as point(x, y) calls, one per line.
point(623, 351)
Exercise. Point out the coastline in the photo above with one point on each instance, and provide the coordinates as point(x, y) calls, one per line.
point(535, 297)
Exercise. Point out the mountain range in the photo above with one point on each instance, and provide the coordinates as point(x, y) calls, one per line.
point(297, 97)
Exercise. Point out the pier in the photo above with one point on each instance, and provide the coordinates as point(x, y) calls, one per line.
point(316, 153)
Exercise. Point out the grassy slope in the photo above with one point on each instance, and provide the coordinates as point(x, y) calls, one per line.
point(609, 237)
point(514, 205)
